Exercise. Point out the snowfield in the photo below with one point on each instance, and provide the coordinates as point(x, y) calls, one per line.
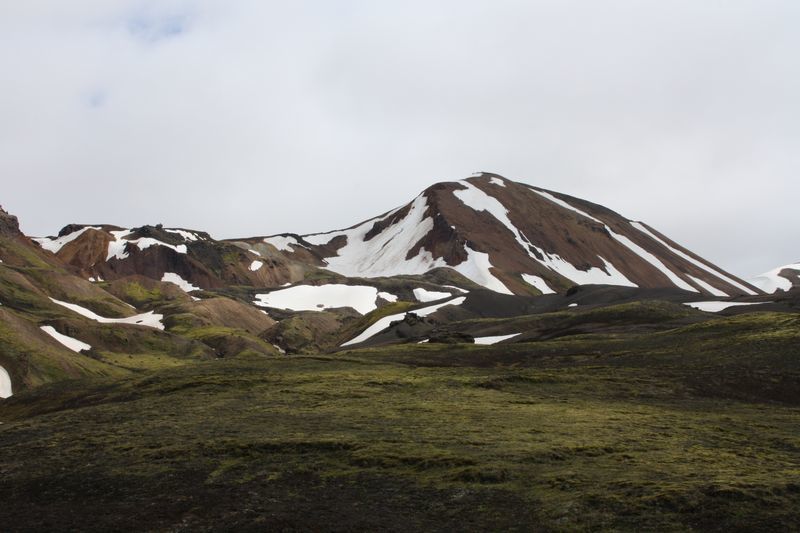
point(5, 384)
point(384, 322)
point(378, 258)
point(55, 245)
point(171, 277)
point(149, 319)
point(772, 281)
point(116, 248)
point(495, 339)
point(715, 307)
point(320, 297)
point(539, 283)
point(424, 295)
point(73, 344)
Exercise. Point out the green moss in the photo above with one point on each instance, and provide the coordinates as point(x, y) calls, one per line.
point(584, 447)
point(139, 296)
point(370, 318)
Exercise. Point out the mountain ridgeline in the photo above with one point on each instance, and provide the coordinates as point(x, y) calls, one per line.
point(505, 236)
point(488, 356)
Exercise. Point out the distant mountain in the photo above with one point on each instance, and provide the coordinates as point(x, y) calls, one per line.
point(782, 278)
point(505, 236)
point(512, 238)
point(189, 258)
point(102, 300)
point(57, 325)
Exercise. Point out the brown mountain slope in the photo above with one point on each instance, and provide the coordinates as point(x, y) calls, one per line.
point(513, 238)
point(109, 253)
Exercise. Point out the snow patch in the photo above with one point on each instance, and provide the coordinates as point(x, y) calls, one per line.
point(459, 289)
point(116, 248)
point(565, 205)
point(384, 322)
point(478, 200)
point(495, 339)
point(476, 268)
point(539, 283)
point(149, 319)
point(573, 305)
point(5, 384)
point(424, 295)
point(497, 181)
point(710, 288)
point(389, 297)
point(700, 264)
point(385, 254)
point(55, 245)
point(255, 265)
point(715, 307)
point(283, 243)
point(255, 252)
point(653, 260)
point(595, 275)
point(772, 281)
point(319, 297)
point(73, 344)
point(171, 277)
point(187, 235)
point(625, 241)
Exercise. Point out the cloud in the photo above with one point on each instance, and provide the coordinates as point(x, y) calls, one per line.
point(248, 117)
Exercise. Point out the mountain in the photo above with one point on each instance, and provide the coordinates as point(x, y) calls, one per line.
point(783, 278)
point(190, 258)
point(145, 365)
point(56, 325)
point(511, 238)
point(102, 299)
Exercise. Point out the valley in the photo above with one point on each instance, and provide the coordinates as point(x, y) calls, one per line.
point(490, 355)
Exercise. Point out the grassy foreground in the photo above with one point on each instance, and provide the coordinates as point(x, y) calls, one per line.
point(556, 438)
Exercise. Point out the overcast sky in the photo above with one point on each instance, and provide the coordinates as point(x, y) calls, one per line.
point(256, 117)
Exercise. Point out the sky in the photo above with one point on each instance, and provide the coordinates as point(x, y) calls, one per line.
point(254, 117)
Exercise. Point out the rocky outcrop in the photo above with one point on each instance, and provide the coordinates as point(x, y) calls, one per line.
point(9, 225)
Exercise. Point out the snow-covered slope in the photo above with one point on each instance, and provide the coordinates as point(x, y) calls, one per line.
point(514, 238)
point(782, 278)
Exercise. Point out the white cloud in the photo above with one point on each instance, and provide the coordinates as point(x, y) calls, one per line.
point(246, 117)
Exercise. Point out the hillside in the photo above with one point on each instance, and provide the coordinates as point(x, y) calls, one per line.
point(488, 356)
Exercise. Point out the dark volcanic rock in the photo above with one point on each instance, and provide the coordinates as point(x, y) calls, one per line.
point(412, 326)
point(451, 337)
point(9, 225)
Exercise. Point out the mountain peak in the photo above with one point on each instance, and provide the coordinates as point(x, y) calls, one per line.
point(515, 238)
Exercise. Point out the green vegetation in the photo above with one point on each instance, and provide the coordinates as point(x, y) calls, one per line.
point(694, 427)
point(138, 295)
point(367, 320)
